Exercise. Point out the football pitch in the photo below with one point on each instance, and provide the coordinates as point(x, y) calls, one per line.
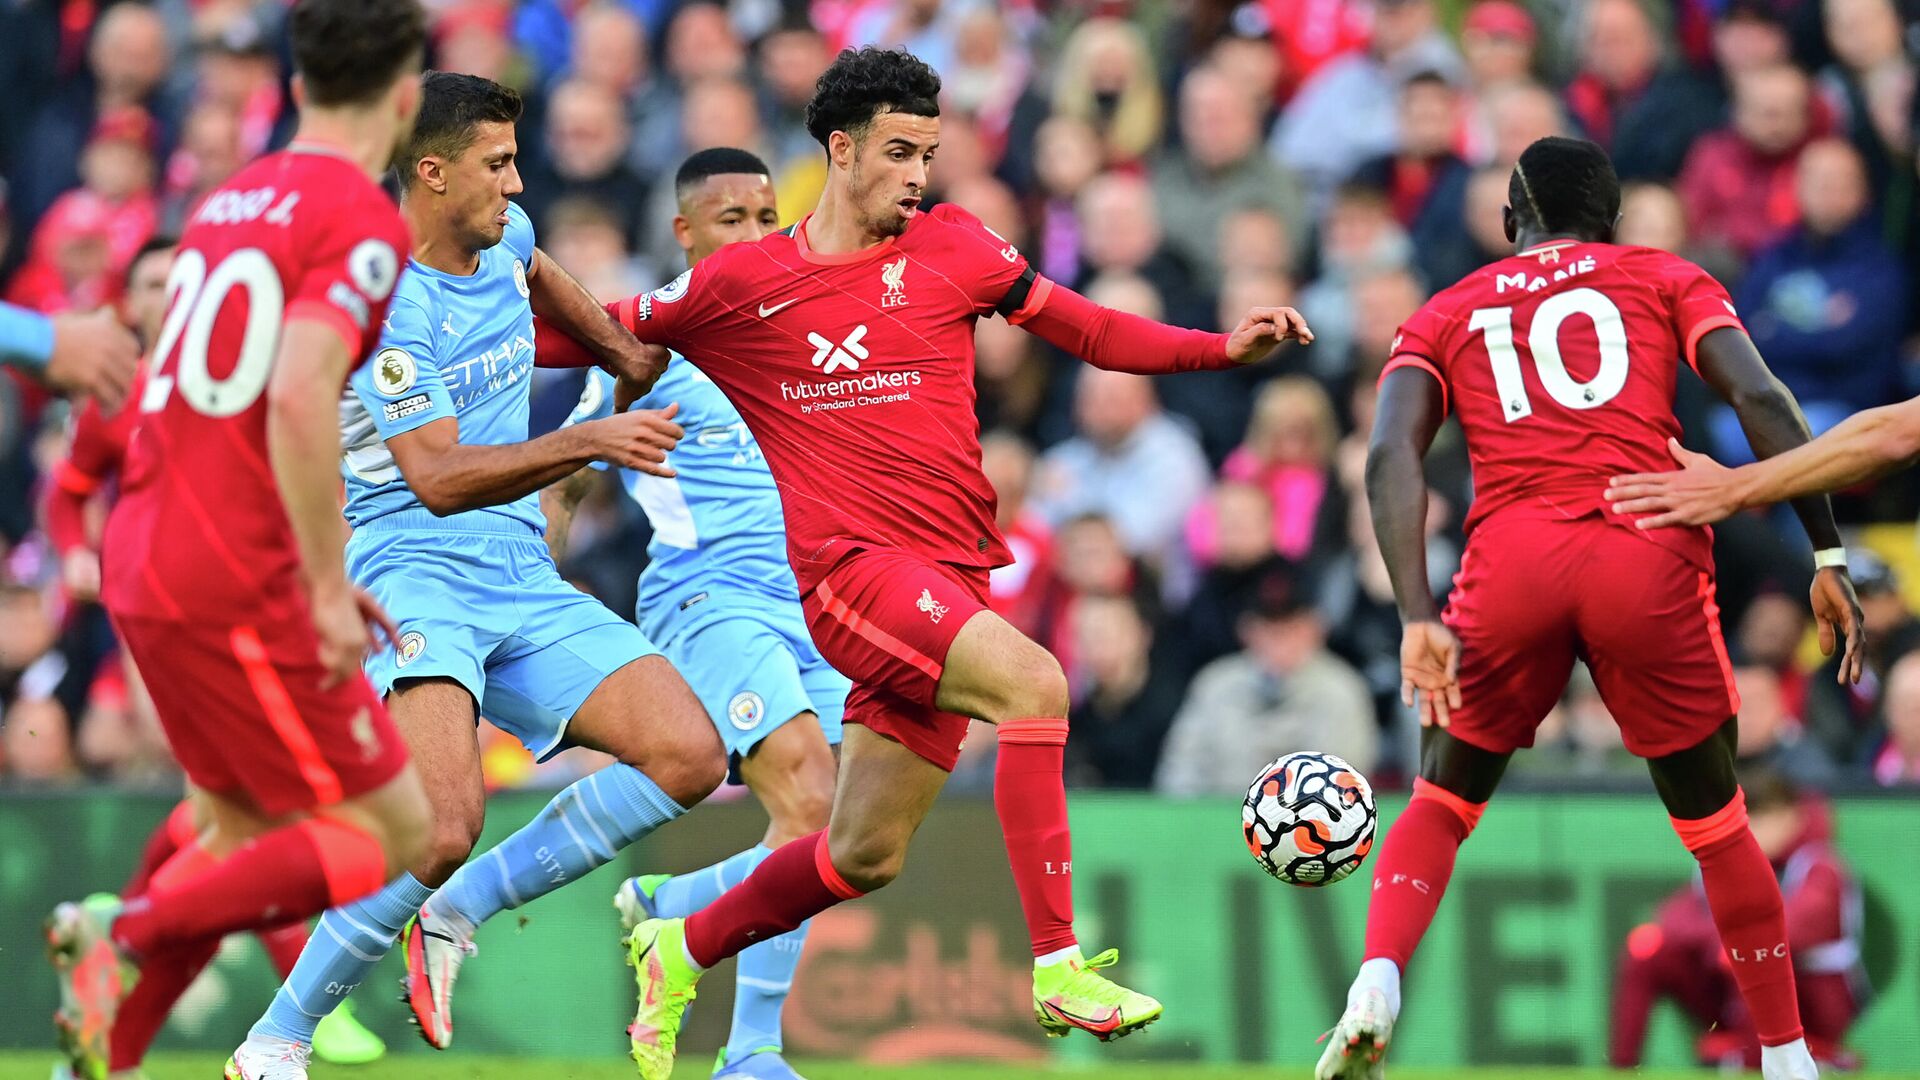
point(34, 1066)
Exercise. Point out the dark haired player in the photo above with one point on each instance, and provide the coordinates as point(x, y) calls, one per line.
point(846, 343)
point(1560, 363)
point(222, 562)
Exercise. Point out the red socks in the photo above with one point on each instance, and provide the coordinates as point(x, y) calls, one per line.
point(168, 837)
point(163, 978)
point(1416, 859)
point(790, 886)
point(287, 874)
point(1030, 796)
point(1745, 899)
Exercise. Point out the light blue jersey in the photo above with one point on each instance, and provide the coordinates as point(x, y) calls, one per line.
point(718, 594)
point(476, 594)
point(451, 346)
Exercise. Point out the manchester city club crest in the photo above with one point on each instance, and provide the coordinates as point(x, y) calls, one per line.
point(746, 710)
point(520, 276)
point(411, 645)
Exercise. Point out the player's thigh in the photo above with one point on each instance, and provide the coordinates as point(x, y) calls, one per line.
point(791, 771)
point(746, 675)
point(1460, 767)
point(996, 673)
point(1515, 628)
point(437, 718)
point(884, 794)
point(444, 593)
point(1699, 781)
point(887, 620)
point(1652, 638)
point(252, 717)
point(645, 715)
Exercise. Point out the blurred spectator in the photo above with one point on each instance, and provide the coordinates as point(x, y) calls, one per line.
point(1773, 737)
point(1651, 216)
point(91, 233)
point(1485, 220)
point(1126, 445)
point(1825, 304)
point(1015, 589)
point(474, 39)
point(701, 47)
point(127, 62)
point(1497, 40)
point(1089, 559)
point(35, 732)
point(210, 151)
point(1769, 636)
point(1249, 56)
point(925, 28)
point(1240, 554)
point(239, 72)
point(587, 237)
point(1579, 738)
point(1344, 115)
point(1219, 168)
point(1120, 234)
point(1285, 692)
point(1846, 713)
point(1897, 761)
point(1255, 239)
point(609, 49)
point(1066, 158)
point(1627, 100)
point(789, 61)
point(1738, 183)
point(1749, 36)
point(1012, 381)
point(990, 83)
point(1288, 455)
point(586, 156)
point(1123, 699)
point(1105, 78)
point(1520, 115)
point(1678, 956)
point(1426, 182)
point(1870, 87)
point(1359, 238)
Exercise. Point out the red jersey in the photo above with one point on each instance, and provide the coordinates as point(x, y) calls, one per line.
point(855, 374)
point(94, 455)
point(1560, 363)
point(199, 531)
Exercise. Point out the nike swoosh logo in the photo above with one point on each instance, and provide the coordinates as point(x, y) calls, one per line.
point(1106, 1022)
point(769, 309)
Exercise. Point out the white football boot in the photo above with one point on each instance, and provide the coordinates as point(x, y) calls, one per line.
point(1357, 1045)
point(265, 1057)
point(435, 946)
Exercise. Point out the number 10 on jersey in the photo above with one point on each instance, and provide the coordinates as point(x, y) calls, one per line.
point(1543, 340)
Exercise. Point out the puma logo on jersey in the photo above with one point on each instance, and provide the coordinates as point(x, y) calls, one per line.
point(892, 278)
point(935, 609)
point(830, 358)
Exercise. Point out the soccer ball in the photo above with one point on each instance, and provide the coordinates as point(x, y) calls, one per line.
point(1309, 819)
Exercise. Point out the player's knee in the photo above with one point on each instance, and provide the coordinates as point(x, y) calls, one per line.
point(448, 845)
point(687, 765)
point(1032, 685)
point(868, 861)
point(401, 818)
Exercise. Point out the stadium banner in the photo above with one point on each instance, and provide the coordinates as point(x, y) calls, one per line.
point(1516, 970)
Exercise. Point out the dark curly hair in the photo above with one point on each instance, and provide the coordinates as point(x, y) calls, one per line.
point(349, 52)
point(861, 84)
point(1563, 185)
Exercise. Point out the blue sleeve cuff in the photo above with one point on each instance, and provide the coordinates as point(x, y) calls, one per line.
point(26, 337)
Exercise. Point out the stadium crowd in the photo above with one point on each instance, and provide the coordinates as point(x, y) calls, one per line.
point(1196, 549)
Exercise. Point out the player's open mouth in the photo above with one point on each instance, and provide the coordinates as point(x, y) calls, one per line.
point(500, 218)
point(910, 204)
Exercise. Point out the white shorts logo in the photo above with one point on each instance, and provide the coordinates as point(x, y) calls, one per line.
point(393, 372)
point(746, 710)
point(411, 645)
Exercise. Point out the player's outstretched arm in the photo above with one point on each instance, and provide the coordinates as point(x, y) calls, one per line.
point(1408, 415)
point(563, 303)
point(450, 476)
point(557, 503)
point(1118, 341)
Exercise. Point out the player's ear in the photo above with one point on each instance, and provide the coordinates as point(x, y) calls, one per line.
point(1607, 234)
point(683, 232)
point(840, 149)
point(1507, 223)
point(299, 88)
point(431, 172)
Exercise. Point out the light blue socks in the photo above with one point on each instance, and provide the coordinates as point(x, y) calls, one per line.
point(346, 945)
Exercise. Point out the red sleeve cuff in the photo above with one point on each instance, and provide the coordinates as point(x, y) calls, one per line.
point(327, 315)
point(1702, 329)
point(1411, 360)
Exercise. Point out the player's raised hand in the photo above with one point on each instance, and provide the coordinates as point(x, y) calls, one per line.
point(637, 440)
point(1430, 671)
point(93, 354)
point(1262, 331)
point(1837, 610)
point(1701, 493)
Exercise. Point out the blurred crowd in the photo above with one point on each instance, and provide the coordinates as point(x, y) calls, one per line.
point(1196, 549)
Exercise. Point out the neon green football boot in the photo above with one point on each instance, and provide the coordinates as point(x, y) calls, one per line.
point(341, 1039)
point(1072, 994)
point(657, 952)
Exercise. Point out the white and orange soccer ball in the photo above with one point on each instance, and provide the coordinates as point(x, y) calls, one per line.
point(1309, 819)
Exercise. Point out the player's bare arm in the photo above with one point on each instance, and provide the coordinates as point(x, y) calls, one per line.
point(303, 444)
point(558, 502)
point(1409, 414)
point(561, 300)
point(1733, 368)
point(1866, 446)
point(450, 476)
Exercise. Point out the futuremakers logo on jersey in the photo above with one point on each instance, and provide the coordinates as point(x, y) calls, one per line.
point(865, 389)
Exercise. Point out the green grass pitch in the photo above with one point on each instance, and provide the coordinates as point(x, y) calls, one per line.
point(35, 1066)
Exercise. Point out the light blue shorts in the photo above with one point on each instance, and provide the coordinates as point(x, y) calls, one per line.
point(754, 666)
point(489, 611)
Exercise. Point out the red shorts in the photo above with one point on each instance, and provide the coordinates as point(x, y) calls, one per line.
point(243, 708)
point(1532, 595)
point(885, 619)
